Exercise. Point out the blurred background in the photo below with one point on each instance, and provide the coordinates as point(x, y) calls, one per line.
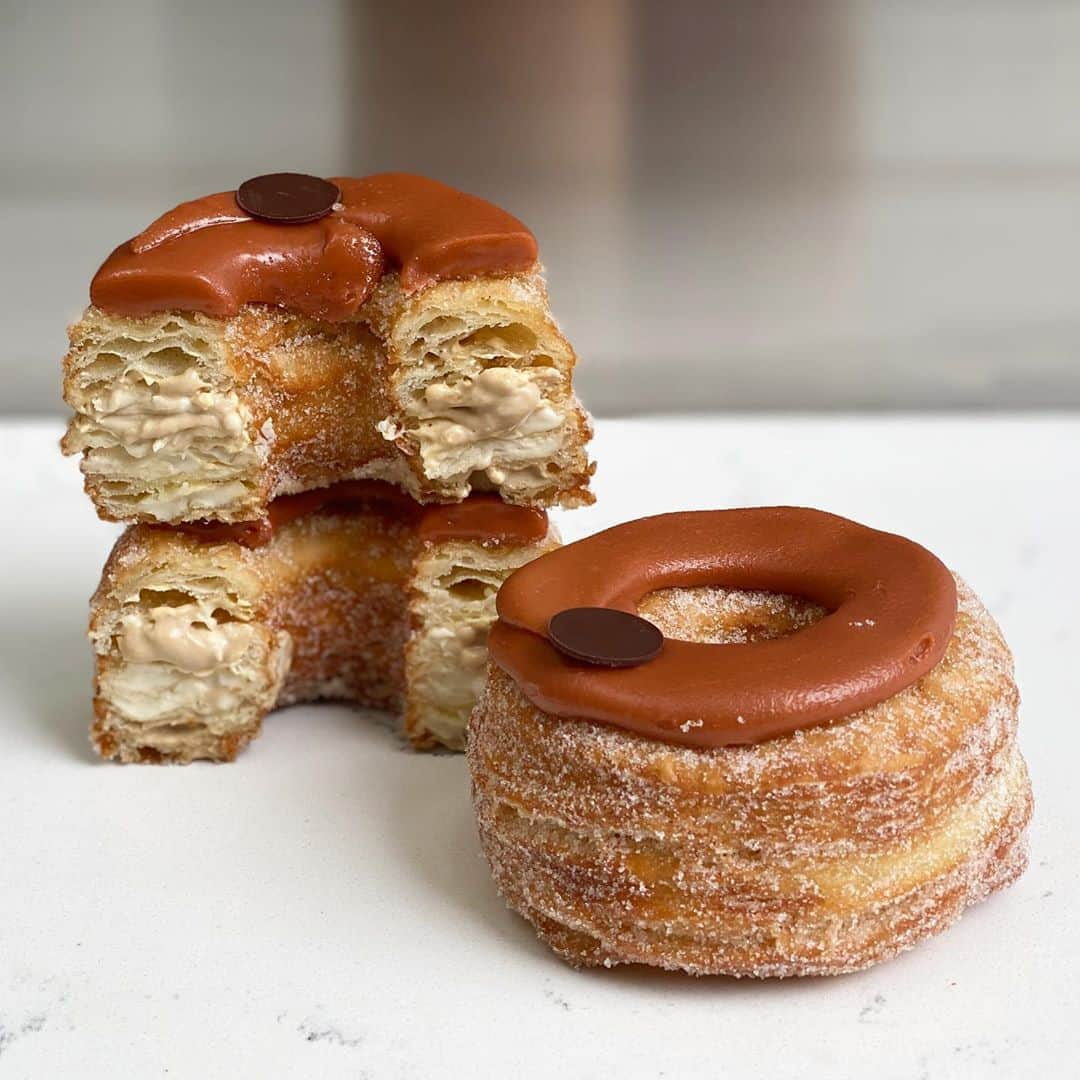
point(792, 205)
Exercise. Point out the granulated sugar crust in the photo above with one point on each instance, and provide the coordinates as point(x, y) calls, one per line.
point(818, 853)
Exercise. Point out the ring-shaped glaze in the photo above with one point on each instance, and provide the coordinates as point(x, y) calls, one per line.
point(891, 604)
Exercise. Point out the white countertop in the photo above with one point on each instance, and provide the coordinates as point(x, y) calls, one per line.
point(320, 908)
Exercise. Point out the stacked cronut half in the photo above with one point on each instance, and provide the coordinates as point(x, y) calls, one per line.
point(332, 415)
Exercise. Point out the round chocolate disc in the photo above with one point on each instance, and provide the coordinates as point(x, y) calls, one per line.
point(605, 637)
point(287, 198)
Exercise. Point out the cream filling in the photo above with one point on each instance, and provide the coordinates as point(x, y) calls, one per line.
point(184, 500)
point(463, 658)
point(197, 470)
point(497, 401)
point(212, 465)
point(501, 413)
point(185, 636)
point(161, 698)
point(170, 412)
point(521, 476)
point(158, 693)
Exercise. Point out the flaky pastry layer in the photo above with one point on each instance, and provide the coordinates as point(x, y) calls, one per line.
point(818, 853)
point(195, 641)
point(462, 386)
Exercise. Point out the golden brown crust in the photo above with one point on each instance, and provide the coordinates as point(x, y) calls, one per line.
point(182, 417)
point(820, 852)
point(195, 641)
point(753, 938)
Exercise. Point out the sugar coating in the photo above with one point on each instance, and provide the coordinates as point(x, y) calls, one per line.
point(818, 853)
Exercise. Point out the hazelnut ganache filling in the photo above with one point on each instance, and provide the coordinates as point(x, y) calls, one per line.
point(891, 604)
point(483, 518)
point(212, 255)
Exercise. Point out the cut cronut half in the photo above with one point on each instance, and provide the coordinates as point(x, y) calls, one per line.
point(196, 640)
point(462, 386)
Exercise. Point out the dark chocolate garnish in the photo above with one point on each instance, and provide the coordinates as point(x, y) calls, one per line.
point(287, 198)
point(605, 637)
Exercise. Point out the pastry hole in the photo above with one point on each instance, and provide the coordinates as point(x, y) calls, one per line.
point(171, 361)
point(480, 481)
point(442, 327)
point(511, 340)
point(471, 589)
point(104, 366)
point(712, 615)
point(164, 598)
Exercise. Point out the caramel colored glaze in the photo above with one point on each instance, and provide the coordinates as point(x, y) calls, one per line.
point(482, 518)
point(207, 255)
point(891, 607)
point(432, 232)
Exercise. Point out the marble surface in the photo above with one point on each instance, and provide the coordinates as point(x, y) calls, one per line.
point(319, 908)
